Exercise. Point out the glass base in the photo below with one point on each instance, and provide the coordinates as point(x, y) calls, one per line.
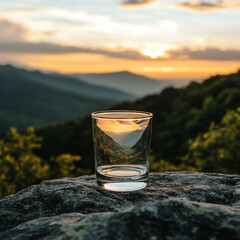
point(122, 186)
point(122, 178)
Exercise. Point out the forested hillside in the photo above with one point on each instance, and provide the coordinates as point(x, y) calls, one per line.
point(179, 115)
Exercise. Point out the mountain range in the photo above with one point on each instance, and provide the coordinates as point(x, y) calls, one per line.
point(36, 98)
point(30, 97)
point(128, 82)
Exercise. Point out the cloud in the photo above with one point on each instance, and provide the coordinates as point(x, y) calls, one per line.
point(75, 26)
point(41, 18)
point(50, 48)
point(200, 6)
point(11, 31)
point(181, 54)
point(206, 54)
point(20, 10)
point(14, 39)
point(203, 6)
point(135, 3)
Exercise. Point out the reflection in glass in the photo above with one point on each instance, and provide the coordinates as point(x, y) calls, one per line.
point(122, 146)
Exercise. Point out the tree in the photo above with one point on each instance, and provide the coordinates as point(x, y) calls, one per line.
point(65, 165)
point(20, 167)
point(163, 166)
point(217, 150)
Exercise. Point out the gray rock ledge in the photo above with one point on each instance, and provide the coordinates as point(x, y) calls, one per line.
point(175, 205)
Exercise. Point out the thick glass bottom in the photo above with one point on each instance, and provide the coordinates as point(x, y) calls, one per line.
point(122, 178)
point(122, 186)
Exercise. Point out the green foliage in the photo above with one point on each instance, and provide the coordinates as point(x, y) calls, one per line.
point(217, 150)
point(65, 165)
point(20, 167)
point(179, 115)
point(202, 115)
point(163, 166)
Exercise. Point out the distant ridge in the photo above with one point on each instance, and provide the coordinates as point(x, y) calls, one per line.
point(70, 84)
point(35, 98)
point(128, 82)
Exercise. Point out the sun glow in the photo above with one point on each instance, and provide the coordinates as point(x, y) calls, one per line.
point(155, 52)
point(117, 126)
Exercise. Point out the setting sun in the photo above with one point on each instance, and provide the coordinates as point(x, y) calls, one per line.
point(155, 52)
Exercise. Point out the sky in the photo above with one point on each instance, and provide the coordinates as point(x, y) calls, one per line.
point(162, 39)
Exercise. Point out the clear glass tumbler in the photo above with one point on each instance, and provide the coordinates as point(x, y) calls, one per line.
point(122, 149)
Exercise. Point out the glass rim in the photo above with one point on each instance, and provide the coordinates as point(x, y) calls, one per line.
point(104, 115)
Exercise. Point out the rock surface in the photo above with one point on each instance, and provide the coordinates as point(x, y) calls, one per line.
point(177, 205)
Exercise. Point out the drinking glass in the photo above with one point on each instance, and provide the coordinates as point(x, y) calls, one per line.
point(122, 149)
